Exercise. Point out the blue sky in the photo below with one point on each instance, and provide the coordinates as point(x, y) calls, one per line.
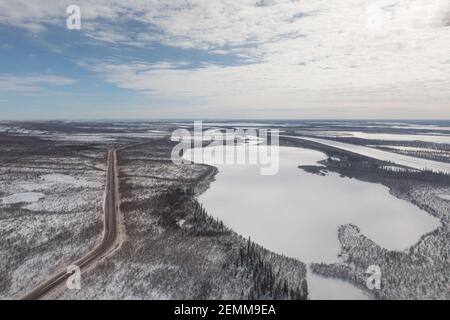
point(225, 59)
point(58, 53)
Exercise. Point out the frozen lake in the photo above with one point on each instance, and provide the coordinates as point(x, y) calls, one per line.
point(434, 138)
point(298, 213)
point(412, 162)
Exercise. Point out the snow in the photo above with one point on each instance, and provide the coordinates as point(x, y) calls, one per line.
point(403, 148)
point(237, 124)
point(23, 197)
point(49, 182)
point(412, 162)
point(81, 137)
point(105, 137)
point(434, 138)
point(75, 201)
point(444, 196)
point(19, 130)
point(59, 189)
point(394, 125)
point(66, 179)
point(398, 169)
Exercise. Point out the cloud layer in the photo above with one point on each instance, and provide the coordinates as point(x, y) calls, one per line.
point(292, 54)
point(31, 83)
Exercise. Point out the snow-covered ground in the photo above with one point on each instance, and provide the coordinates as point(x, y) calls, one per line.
point(106, 137)
point(164, 256)
point(50, 212)
point(398, 169)
point(19, 130)
point(22, 197)
point(404, 148)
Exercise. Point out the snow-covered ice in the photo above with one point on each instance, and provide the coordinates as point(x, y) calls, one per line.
point(403, 160)
point(433, 138)
point(307, 210)
point(444, 196)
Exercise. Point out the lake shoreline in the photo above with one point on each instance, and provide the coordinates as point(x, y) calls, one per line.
point(426, 264)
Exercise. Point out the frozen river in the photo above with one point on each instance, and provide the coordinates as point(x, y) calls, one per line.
point(298, 213)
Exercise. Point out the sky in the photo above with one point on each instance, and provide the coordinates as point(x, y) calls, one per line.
point(231, 59)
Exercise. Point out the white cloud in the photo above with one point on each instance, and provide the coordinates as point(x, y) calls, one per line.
point(31, 83)
point(300, 53)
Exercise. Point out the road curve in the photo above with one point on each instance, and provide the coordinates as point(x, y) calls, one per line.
point(110, 239)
